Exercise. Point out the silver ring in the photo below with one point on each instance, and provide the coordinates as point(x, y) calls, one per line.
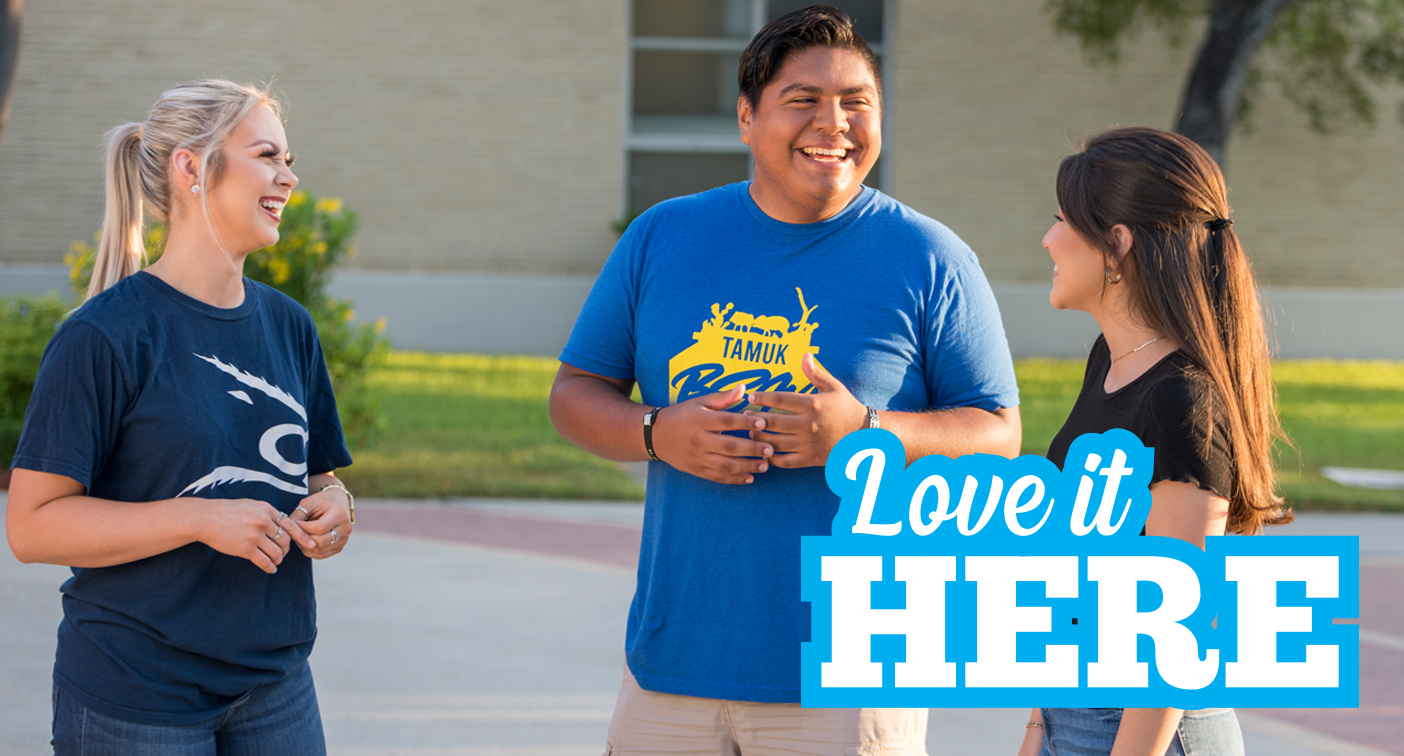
point(281, 516)
point(309, 514)
point(278, 535)
point(335, 536)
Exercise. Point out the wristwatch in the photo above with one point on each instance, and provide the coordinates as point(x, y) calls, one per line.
point(648, 422)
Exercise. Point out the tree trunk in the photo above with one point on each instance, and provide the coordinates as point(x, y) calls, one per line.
point(1210, 103)
point(9, 54)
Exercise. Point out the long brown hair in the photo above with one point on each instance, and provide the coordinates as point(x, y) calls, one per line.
point(1191, 281)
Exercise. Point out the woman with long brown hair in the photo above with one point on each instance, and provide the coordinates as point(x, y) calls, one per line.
point(1144, 242)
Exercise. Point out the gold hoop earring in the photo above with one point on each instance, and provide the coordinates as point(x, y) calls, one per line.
point(1110, 280)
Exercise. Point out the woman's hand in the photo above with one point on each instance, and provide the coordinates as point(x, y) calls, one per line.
point(1146, 732)
point(1033, 736)
point(249, 529)
point(326, 517)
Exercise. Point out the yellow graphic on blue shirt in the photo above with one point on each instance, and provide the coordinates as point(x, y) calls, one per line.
point(762, 352)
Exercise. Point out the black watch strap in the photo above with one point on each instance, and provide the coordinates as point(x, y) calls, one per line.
point(649, 420)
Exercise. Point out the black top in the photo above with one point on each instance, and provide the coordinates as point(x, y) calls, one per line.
point(1163, 408)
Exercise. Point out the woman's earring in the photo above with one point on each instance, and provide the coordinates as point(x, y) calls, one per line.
point(1111, 280)
point(195, 189)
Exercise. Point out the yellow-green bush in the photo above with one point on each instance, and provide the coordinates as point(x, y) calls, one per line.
point(314, 235)
point(26, 325)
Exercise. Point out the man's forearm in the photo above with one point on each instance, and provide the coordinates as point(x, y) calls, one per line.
point(956, 432)
point(596, 416)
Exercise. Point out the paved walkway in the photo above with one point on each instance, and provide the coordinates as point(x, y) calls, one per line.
point(494, 628)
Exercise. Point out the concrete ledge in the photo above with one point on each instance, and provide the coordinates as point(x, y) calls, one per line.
point(466, 312)
point(1360, 324)
point(533, 314)
point(1035, 329)
point(19, 278)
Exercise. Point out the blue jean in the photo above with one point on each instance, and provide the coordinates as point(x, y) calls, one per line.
point(277, 717)
point(1091, 732)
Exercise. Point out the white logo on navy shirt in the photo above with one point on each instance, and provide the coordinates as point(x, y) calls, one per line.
point(267, 444)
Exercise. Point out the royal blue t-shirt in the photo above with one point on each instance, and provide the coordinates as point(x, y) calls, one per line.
point(707, 291)
point(147, 394)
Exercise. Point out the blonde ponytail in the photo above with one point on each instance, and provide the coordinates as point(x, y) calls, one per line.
point(196, 116)
point(121, 251)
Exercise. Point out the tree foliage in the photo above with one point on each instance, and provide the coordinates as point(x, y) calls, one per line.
point(9, 53)
point(1328, 55)
point(1333, 59)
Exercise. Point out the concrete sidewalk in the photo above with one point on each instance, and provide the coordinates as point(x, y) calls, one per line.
point(432, 644)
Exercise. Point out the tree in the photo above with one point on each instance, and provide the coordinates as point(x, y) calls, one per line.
point(9, 54)
point(1326, 55)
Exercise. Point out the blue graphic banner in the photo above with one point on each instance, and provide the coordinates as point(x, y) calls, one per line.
point(983, 581)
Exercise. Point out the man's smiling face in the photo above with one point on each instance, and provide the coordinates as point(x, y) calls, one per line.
point(815, 133)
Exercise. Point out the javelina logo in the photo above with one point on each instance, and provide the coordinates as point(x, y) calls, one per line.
point(761, 352)
point(267, 443)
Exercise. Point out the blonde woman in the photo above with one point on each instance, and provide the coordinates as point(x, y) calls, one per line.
point(178, 454)
point(1144, 242)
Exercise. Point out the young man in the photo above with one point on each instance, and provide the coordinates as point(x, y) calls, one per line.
point(820, 307)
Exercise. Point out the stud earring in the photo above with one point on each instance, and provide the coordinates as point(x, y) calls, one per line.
point(1110, 280)
point(195, 189)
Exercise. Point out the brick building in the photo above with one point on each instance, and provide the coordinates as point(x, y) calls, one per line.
point(488, 147)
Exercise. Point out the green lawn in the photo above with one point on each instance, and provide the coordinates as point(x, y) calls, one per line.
point(1343, 414)
point(477, 425)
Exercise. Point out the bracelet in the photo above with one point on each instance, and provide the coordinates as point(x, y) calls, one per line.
point(648, 422)
point(1032, 723)
point(872, 417)
point(351, 500)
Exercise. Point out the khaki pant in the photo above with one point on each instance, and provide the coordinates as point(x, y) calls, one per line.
point(661, 723)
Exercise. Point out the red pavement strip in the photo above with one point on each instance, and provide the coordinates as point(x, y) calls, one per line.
point(616, 545)
point(1378, 723)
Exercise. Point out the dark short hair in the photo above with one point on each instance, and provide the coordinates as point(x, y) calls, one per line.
point(815, 26)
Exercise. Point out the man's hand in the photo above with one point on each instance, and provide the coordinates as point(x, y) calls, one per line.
point(691, 437)
point(805, 436)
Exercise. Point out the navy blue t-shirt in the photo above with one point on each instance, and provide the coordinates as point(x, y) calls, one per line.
point(706, 292)
point(146, 394)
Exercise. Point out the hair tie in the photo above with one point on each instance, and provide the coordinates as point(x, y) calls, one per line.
point(1219, 224)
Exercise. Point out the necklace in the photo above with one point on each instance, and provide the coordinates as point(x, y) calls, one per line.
point(1139, 348)
point(168, 279)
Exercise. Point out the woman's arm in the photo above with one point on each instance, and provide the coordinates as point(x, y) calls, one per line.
point(1033, 735)
point(1146, 732)
point(1186, 512)
point(1189, 513)
point(49, 519)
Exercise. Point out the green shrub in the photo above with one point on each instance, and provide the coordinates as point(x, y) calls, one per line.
point(314, 236)
point(26, 324)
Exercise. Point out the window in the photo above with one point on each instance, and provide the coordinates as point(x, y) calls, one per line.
point(682, 134)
